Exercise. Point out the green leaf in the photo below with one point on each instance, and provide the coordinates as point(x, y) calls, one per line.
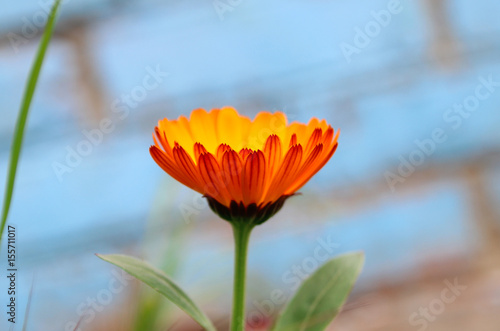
point(152, 311)
point(160, 282)
point(322, 295)
point(29, 91)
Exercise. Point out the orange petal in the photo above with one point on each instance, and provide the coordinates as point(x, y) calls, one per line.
point(253, 178)
point(204, 129)
point(220, 151)
point(198, 150)
point(211, 176)
point(313, 170)
point(232, 172)
point(170, 167)
point(306, 169)
point(327, 136)
point(293, 140)
point(264, 125)
point(161, 138)
point(273, 154)
point(286, 174)
point(331, 139)
point(155, 140)
point(232, 128)
point(178, 130)
point(187, 166)
point(299, 130)
point(314, 140)
point(244, 154)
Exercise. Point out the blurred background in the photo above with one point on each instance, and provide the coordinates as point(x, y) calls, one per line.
point(413, 85)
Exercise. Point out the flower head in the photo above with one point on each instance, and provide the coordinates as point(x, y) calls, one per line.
point(245, 168)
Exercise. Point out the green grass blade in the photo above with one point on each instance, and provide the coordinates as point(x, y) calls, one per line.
point(28, 306)
point(17, 140)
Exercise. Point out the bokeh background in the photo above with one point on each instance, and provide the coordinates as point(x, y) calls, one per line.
point(413, 85)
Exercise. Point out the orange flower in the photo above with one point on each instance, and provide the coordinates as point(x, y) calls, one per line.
point(246, 169)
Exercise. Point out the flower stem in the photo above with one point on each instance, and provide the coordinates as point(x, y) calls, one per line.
point(241, 231)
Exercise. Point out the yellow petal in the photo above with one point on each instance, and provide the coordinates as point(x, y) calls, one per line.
point(203, 126)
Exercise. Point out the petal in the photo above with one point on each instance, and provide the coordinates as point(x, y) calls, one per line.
point(253, 178)
point(211, 176)
point(232, 172)
point(198, 150)
point(220, 151)
point(328, 136)
point(298, 130)
point(314, 162)
point(244, 154)
point(273, 154)
point(178, 130)
point(232, 128)
point(293, 140)
point(161, 140)
point(314, 140)
point(186, 165)
point(155, 140)
point(311, 126)
point(170, 167)
point(312, 170)
point(264, 125)
point(306, 169)
point(203, 126)
point(330, 139)
point(286, 174)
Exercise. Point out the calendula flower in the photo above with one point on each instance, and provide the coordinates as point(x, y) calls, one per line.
point(245, 168)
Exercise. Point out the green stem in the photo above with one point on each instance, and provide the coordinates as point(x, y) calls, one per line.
point(241, 232)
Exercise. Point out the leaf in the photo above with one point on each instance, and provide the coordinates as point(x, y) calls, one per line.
point(29, 91)
point(152, 310)
point(160, 282)
point(322, 295)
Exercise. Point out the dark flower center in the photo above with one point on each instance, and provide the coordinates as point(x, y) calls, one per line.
point(238, 212)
